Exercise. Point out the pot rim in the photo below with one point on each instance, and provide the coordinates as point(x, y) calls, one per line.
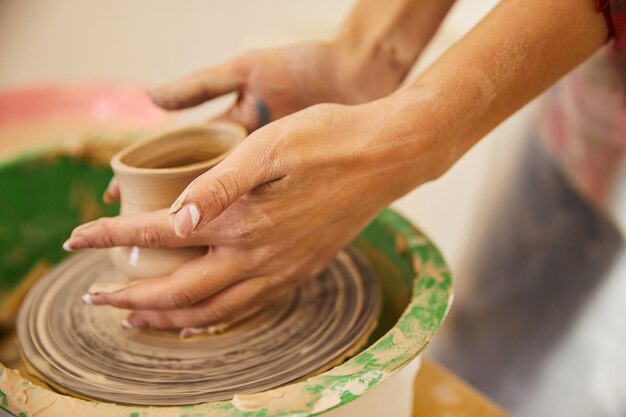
point(238, 131)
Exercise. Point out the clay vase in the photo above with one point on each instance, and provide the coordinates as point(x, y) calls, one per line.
point(152, 174)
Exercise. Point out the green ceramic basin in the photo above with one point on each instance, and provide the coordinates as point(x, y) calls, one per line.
point(50, 196)
point(44, 195)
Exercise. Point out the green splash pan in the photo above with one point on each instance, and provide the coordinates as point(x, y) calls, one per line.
point(44, 197)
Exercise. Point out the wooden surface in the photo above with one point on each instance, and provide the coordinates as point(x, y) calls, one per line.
point(439, 393)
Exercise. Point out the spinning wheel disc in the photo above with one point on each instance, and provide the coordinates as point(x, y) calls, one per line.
point(81, 350)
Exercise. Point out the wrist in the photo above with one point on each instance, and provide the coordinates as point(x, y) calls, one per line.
point(378, 44)
point(422, 136)
point(362, 74)
point(399, 145)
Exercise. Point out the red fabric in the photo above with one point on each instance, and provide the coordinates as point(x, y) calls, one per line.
point(604, 6)
point(615, 12)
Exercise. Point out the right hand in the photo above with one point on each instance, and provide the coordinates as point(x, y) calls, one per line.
point(273, 213)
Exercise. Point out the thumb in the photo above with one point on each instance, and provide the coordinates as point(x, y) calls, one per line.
point(212, 193)
point(204, 85)
point(250, 111)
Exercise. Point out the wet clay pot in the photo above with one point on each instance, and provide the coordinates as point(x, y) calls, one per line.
point(152, 174)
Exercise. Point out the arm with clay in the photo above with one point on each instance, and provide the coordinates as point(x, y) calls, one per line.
point(368, 59)
point(520, 49)
point(296, 191)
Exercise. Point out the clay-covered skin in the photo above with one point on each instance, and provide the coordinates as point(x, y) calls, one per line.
point(299, 189)
point(153, 172)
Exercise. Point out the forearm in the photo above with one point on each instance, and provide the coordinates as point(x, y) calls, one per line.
point(515, 53)
point(383, 39)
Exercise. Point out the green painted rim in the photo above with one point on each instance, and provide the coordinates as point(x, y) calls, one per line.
point(430, 300)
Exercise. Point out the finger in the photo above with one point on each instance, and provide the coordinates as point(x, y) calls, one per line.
point(193, 282)
point(112, 193)
point(149, 230)
point(224, 306)
point(204, 85)
point(187, 332)
point(249, 111)
point(249, 166)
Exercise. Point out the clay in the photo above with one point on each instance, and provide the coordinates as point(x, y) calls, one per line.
point(153, 173)
point(377, 381)
point(109, 286)
point(80, 350)
point(10, 303)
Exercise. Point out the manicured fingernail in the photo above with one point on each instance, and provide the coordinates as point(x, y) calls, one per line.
point(186, 220)
point(154, 95)
point(86, 298)
point(178, 204)
point(92, 299)
point(127, 325)
point(75, 243)
point(188, 332)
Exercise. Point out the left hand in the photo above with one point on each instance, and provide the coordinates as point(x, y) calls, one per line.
point(273, 213)
point(275, 82)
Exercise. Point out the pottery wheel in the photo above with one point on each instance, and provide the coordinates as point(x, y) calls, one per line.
point(81, 350)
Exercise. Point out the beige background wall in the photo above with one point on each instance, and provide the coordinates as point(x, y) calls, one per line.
point(150, 41)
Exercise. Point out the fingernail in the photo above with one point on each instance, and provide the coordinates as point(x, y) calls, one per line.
point(75, 243)
point(92, 299)
point(127, 325)
point(186, 220)
point(178, 204)
point(188, 332)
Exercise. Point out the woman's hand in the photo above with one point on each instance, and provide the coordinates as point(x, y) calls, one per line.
point(274, 212)
point(272, 83)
